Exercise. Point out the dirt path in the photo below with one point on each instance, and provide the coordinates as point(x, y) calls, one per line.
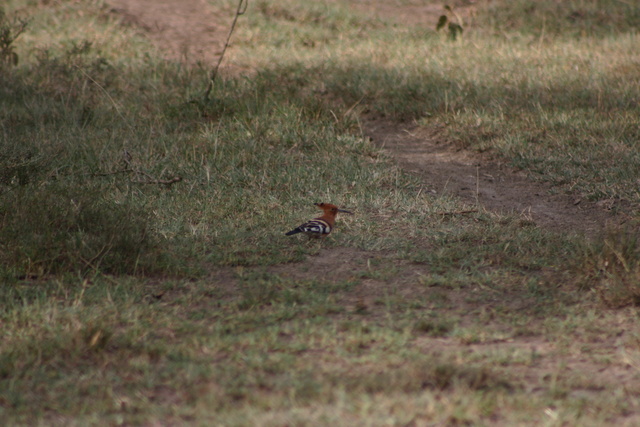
point(479, 180)
point(188, 30)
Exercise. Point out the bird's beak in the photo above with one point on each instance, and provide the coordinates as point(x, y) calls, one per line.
point(345, 211)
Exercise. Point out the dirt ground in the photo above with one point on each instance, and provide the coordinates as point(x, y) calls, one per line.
point(480, 180)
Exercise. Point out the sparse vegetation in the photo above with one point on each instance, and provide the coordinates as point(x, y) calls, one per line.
point(145, 278)
point(10, 30)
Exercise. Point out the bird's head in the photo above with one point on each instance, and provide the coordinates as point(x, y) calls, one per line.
point(328, 208)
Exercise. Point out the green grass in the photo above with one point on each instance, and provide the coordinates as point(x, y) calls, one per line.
point(560, 106)
point(146, 278)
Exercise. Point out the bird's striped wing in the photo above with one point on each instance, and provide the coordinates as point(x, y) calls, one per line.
point(316, 227)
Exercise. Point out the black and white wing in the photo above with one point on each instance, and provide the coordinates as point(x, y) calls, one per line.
point(316, 227)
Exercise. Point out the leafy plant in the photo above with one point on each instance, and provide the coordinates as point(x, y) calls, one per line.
point(452, 21)
point(10, 30)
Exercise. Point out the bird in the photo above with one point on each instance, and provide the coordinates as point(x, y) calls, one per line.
point(321, 226)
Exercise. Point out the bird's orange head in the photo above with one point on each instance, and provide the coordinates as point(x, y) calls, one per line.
point(331, 210)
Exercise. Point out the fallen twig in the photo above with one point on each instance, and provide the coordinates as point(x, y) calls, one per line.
point(459, 212)
point(130, 168)
point(166, 182)
point(126, 170)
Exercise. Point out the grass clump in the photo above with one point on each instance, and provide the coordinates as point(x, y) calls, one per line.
point(433, 327)
point(568, 19)
point(612, 268)
point(55, 229)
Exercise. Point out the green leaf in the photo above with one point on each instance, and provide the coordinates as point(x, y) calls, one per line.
point(454, 30)
point(441, 22)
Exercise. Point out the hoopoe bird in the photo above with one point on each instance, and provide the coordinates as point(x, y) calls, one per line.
point(321, 226)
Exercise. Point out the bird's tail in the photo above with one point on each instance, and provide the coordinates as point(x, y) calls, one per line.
point(294, 231)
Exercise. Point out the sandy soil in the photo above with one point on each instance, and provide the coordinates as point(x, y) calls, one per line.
point(186, 30)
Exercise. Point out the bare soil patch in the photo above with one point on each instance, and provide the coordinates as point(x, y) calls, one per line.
point(185, 31)
point(480, 180)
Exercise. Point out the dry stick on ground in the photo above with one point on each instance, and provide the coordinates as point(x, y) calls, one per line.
point(242, 8)
point(127, 157)
point(459, 212)
point(150, 179)
point(113, 102)
point(131, 169)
